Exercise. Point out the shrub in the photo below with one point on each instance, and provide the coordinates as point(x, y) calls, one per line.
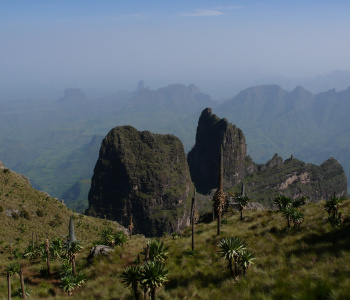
point(1, 208)
point(25, 214)
point(40, 213)
point(17, 254)
point(107, 236)
point(120, 238)
point(15, 215)
point(44, 272)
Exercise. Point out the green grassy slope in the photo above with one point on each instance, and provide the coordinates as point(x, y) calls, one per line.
point(309, 263)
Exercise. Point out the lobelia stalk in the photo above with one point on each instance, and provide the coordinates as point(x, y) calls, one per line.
point(219, 196)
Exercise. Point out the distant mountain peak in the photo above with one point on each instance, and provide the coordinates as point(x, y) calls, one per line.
point(194, 89)
point(73, 95)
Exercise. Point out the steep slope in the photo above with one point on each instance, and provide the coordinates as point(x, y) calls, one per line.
point(203, 159)
point(25, 210)
point(294, 178)
point(263, 182)
point(144, 175)
point(272, 119)
point(311, 127)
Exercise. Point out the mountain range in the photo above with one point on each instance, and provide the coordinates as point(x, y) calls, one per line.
point(55, 142)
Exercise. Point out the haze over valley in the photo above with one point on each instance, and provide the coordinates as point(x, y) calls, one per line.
point(56, 143)
point(175, 149)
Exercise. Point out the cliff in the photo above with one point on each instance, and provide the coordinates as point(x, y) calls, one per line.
point(263, 182)
point(203, 159)
point(294, 178)
point(142, 174)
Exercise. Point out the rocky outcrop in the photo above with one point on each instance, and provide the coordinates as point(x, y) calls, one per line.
point(263, 182)
point(144, 175)
point(294, 179)
point(203, 159)
point(98, 251)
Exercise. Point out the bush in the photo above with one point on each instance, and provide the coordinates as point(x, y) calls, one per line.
point(120, 238)
point(15, 215)
point(44, 272)
point(40, 213)
point(25, 214)
point(1, 208)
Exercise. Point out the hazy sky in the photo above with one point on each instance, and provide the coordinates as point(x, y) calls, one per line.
point(112, 44)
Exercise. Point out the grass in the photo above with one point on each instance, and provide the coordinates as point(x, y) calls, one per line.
point(309, 263)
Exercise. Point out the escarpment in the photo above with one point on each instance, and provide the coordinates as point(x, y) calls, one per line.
point(203, 159)
point(147, 175)
point(264, 182)
point(295, 178)
point(144, 175)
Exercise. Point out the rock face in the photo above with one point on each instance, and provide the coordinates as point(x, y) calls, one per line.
point(203, 159)
point(142, 174)
point(263, 182)
point(294, 179)
point(99, 250)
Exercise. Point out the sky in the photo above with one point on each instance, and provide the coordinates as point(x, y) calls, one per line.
point(110, 45)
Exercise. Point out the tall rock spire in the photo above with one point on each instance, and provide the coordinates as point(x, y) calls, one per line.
point(203, 159)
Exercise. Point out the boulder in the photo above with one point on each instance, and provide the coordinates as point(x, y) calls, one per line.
point(99, 250)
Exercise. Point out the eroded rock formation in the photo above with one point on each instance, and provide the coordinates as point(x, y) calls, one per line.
point(203, 159)
point(142, 174)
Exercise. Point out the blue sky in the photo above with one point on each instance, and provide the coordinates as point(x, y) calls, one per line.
point(112, 44)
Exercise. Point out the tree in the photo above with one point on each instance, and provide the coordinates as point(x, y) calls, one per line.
point(72, 247)
point(47, 248)
point(245, 259)
point(130, 227)
point(155, 250)
point(288, 214)
point(68, 284)
point(154, 275)
point(131, 276)
point(241, 203)
point(230, 249)
point(56, 247)
point(303, 200)
point(71, 251)
point(297, 218)
point(23, 289)
point(335, 216)
point(282, 202)
point(12, 269)
point(107, 236)
point(120, 238)
point(332, 206)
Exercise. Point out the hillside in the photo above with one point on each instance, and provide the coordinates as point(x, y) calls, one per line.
point(26, 211)
point(306, 263)
point(294, 178)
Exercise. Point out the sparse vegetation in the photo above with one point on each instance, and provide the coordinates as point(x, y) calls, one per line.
point(309, 263)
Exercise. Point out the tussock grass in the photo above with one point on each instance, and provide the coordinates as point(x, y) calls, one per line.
point(312, 262)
